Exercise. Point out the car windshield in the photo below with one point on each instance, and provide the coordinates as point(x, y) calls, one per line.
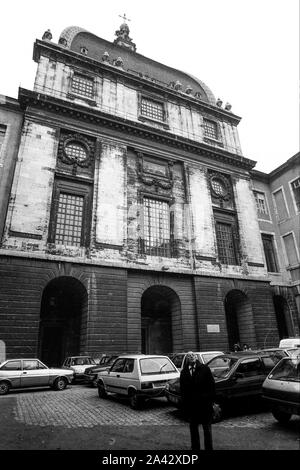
point(221, 366)
point(295, 352)
point(206, 357)
point(287, 370)
point(156, 365)
point(82, 361)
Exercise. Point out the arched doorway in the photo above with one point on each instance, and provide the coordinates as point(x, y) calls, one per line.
point(283, 317)
point(239, 319)
point(63, 311)
point(161, 330)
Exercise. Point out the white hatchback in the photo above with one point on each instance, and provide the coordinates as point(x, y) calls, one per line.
point(137, 376)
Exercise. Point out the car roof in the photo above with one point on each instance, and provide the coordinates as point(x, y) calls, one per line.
point(199, 352)
point(141, 356)
point(23, 359)
point(74, 357)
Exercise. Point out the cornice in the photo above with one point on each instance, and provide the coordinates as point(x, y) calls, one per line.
point(61, 54)
point(73, 110)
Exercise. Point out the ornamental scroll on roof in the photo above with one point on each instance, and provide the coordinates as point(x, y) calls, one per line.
point(123, 38)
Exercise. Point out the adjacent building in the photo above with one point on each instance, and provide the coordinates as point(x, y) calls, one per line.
point(277, 196)
point(132, 223)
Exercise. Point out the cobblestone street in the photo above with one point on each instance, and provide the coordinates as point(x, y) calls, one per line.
point(77, 419)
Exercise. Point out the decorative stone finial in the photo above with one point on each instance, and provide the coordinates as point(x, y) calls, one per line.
point(178, 86)
point(228, 107)
point(105, 56)
point(123, 38)
point(63, 42)
point(47, 35)
point(219, 102)
point(118, 62)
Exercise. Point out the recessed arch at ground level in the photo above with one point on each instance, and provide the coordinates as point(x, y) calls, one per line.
point(62, 328)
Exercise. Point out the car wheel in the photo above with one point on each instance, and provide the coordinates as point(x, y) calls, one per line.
point(281, 416)
point(60, 383)
point(4, 388)
point(135, 401)
point(101, 390)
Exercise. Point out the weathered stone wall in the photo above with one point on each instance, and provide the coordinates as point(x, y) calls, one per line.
point(11, 120)
point(115, 97)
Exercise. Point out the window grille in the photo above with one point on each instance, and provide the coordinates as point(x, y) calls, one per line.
point(83, 86)
point(69, 219)
point(210, 129)
point(225, 243)
point(76, 152)
point(152, 109)
point(156, 236)
point(218, 187)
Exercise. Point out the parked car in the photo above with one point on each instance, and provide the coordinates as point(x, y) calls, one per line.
point(138, 377)
point(290, 342)
point(237, 375)
point(279, 353)
point(31, 372)
point(282, 389)
point(203, 356)
point(91, 373)
point(78, 364)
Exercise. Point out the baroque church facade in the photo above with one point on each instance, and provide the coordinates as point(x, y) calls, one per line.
point(131, 223)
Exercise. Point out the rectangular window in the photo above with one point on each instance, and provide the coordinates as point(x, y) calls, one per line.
point(69, 219)
point(296, 192)
point(2, 135)
point(290, 249)
point(70, 214)
point(225, 241)
point(281, 209)
point(261, 203)
point(156, 229)
point(269, 250)
point(152, 109)
point(210, 129)
point(83, 86)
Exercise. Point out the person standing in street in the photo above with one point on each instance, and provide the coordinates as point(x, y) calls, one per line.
point(197, 387)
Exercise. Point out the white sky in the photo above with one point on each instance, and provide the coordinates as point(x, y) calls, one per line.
point(246, 51)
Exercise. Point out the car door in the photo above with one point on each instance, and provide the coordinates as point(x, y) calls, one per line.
point(34, 373)
point(247, 378)
point(112, 379)
point(12, 370)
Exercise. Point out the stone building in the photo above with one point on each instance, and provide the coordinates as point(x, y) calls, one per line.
point(277, 196)
point(11, 117)
point(132, 223)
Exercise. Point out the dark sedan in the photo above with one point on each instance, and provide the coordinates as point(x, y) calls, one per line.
point(237, 375)
point(91, 373)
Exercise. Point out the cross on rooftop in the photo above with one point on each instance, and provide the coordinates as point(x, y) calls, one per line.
point(124, 17)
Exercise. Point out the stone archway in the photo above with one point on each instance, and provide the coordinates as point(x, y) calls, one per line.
point(283, 317)
point(239, 319)
point(62, 320)
point(161, 330)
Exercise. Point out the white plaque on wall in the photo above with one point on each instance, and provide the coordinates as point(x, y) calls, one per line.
point(213, 328)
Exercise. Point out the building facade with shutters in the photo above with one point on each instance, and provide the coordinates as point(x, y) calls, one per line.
point(132, 222)
point(277, 196)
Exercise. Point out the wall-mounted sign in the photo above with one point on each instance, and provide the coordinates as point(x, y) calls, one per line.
point(213, 328)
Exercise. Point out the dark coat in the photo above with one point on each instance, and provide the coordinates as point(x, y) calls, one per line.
point(198, 393)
